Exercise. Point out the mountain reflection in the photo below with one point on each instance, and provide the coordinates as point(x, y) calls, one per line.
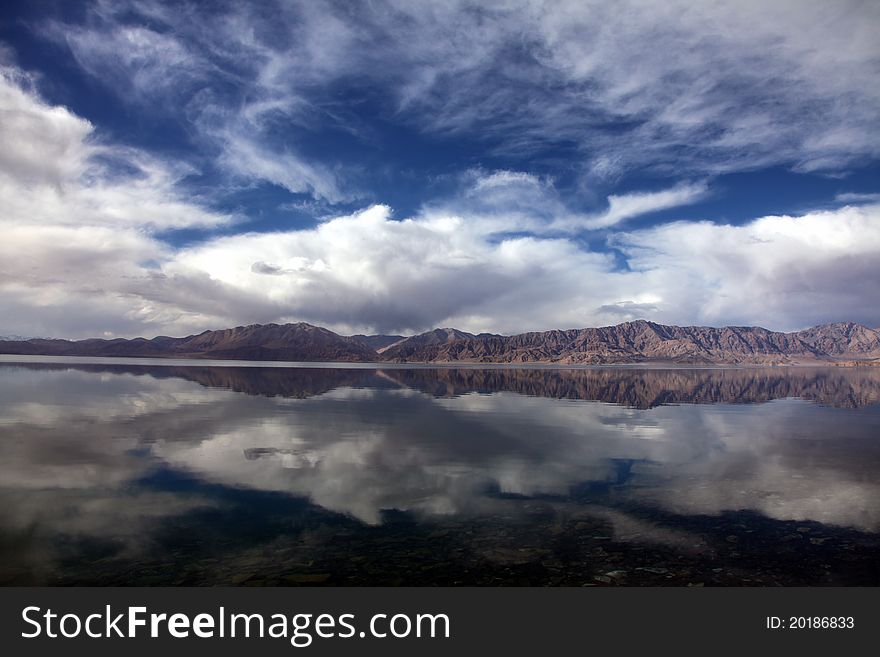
point(84, 449)
point(844, 387)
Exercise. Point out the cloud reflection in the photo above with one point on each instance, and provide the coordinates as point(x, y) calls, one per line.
point(77, 443)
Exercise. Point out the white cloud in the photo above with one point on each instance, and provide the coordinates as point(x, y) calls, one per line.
point(42, 145)
point(245, 156)
point(783, 272)
point(627, 206)
point(183, 68)
point(79, 218)
point(506, 178)
point(674, 87)
point(857, 198)
point(82, 217)
point(55, 170)
point(362, 270)
point(512, 201)
point(81, 256)
point(368, 271)
point(136, 59)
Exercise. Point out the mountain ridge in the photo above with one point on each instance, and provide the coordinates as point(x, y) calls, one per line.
point(638, 341)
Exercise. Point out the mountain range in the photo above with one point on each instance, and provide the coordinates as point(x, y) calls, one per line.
point(631, 342)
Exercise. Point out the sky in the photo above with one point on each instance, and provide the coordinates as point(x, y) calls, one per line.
point(391, 167)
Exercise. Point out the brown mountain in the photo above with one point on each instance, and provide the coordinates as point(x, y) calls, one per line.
point(287, 342)
point(642, 341)
point(843, 339)
point(425, 347)
point(631, 342)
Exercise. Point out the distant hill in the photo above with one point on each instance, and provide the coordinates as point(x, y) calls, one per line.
point(288, 342)
point(631, 342)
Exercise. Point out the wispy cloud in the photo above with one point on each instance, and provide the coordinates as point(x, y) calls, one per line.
point(54, 169)
point(627, 206)
point(516, 201)
point(244, 156)
point(752, 85)
point(857, 198)
point(217, 74)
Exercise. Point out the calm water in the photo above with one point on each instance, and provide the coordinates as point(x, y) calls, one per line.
point(170, 474)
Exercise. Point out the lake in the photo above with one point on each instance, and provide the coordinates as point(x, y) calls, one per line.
point(190, 473)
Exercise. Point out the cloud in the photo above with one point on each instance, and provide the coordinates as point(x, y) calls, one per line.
point(690, 459)
point(365, 269)
point(627, 206)
point(80, 218)
point(368, 271)
point(511, 201)
point(628, 310)
point(784, 272)
point(857, 198)
point(54, 170)
point(84, 218)
point(82, 254)
point(741, 85)
point(225, 81)
point(244, 156)
point(135, 59)
point(41, 144)
point(505, 179)
point(751, 86)
point(261, 267)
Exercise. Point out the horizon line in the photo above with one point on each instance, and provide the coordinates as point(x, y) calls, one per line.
point(19, 338)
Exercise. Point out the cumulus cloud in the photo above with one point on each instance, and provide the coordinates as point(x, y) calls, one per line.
point(366, 269)
point(54, 169)
point(780, 271)
point(628, 310)
point(79, 219)
point(41, 144)
point(370, 271)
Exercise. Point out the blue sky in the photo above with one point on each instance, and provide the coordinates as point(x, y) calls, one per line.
point(395, 166)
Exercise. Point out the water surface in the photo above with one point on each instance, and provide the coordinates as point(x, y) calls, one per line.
point(169, 473)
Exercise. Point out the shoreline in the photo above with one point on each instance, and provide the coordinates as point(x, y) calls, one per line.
point(171, 361)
